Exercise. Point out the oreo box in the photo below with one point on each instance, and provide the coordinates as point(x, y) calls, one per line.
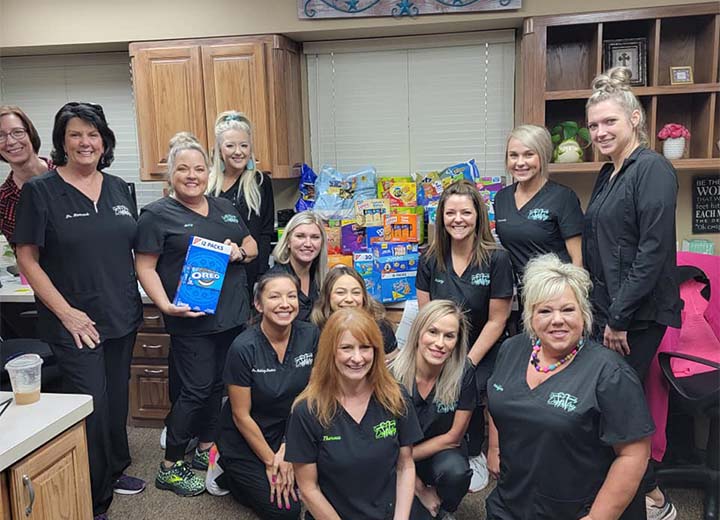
point(202, 275)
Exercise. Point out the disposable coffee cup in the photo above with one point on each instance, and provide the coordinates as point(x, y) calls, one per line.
point(24, 374)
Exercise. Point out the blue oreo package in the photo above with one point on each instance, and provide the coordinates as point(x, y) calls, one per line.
point(202, 275)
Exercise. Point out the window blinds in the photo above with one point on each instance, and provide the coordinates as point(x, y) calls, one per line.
point(40, 85)
point(412, 104)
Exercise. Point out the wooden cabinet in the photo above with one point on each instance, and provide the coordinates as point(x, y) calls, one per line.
point(149, 397)
point(52, 483)
point(184, 85)
point(560, 55)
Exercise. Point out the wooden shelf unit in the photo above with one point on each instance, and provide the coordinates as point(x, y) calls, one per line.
point(560, 55)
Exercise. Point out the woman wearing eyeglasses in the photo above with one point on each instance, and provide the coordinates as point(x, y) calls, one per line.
point(75, 231)
point(19, 147)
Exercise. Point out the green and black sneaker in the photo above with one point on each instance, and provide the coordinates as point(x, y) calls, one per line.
point(201, 459)
point(179, 479)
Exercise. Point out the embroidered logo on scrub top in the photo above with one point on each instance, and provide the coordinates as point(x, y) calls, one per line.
point(76, 215)
point(480, 279)
point(439, 280)
point(498, 388)
point(188, 225)
point(263, 370)
point(562, 400)
point(538, 214)
point(445, 408)
point(303, 360)
point(232, 219)
point(385, 429)
point(328, 438)
point(122, 211)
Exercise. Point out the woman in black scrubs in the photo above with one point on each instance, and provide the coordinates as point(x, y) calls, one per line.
point(267, 367)
point(302, 251)
point(629, 238)
point(199, 342)
point(465, 265)
point(74, 234)
point(351, 431)
point(535, 215)
point(344, 288)
point(234, 176)
point(433, 367)
point(570, 429)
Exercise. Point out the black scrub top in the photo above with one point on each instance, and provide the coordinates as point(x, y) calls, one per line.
point(305, 301)
point(556, 441)
point(164, 228)
point(388, 335)
point(473, 290)
point(356, 463)
point(261, 227)
point(541, 226)
point(436, 418)
point(86, 251)
point(253, 363)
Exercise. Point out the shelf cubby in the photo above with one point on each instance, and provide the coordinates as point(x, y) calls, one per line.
point(572, 56)
point(693, 112)
point(715, 144)
point(647, 29)
point(689, 41)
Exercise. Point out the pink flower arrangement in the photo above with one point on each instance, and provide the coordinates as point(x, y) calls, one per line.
point(673, 130)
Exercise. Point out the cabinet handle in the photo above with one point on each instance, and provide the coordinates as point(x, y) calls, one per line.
point(152, 317)
point(152, 347)
point(31, 491)
point(153, 372)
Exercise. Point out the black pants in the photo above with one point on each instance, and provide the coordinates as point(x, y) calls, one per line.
point(103, 373)
point(476, 428)
point(199, 361)
point(448, 471)
point(247, 481)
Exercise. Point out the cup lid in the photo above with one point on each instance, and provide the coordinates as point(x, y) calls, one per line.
point(23, 362)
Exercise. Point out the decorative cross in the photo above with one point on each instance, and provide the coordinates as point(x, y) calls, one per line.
point(624, 58)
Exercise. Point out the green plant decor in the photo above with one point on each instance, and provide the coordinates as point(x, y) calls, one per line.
point(567, 137)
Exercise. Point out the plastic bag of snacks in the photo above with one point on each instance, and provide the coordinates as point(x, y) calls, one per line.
point(431, 185)
point(307, 189)
point(337, 192)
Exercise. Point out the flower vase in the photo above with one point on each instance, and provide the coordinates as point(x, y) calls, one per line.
point(674, 147)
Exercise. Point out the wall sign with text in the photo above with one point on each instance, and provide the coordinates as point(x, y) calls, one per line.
point(706, 204)
point(317, 9)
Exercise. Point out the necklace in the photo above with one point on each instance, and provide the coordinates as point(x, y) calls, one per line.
point(535, 361)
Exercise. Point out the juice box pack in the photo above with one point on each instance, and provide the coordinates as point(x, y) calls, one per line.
point(202, 275)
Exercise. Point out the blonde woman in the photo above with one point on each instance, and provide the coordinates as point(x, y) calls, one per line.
point(302, 251)
point(234, 176)
point(434, 369)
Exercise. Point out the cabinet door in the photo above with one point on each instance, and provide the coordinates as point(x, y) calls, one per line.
point(168, 99)
point(235, 79)
point(149, 397)
point(58, 477)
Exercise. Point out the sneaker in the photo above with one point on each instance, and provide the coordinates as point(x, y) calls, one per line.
point(666, 511)
point(214, 480)
point(201, 459)
point(127, 485)
point(179, 479)
point(480, 475)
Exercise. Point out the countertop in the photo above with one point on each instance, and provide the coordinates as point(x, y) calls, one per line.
point(23, 429)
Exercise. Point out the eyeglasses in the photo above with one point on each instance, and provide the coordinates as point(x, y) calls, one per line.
point(15, 133)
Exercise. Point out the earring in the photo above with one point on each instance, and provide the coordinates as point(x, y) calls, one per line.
point(250, 164)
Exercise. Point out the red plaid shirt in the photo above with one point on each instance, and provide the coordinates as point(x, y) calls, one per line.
point(9, 196)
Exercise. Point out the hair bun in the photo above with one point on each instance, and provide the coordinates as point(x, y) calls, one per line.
point(183, 138)
point(617, 78)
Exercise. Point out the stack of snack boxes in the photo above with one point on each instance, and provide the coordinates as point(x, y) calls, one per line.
point(381, 242)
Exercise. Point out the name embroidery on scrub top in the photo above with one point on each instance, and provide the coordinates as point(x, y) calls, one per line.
point(232, 219)
point(329, 438)
point(303, 360)
point(263, 370)
point(445, 408)
point(385, 429)
point(76, 215)
point(562, 400)
point(538, 214)
point(480, 279)
point(498, 388)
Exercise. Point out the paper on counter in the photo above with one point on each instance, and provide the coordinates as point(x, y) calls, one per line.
point(408, 317)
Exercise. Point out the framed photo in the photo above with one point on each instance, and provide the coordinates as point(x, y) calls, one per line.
point(681, 75)
point(630, 53)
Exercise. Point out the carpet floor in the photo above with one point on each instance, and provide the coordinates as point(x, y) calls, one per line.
point(155, 504)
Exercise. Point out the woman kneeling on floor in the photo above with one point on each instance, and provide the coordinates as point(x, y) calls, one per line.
point(267, 367)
